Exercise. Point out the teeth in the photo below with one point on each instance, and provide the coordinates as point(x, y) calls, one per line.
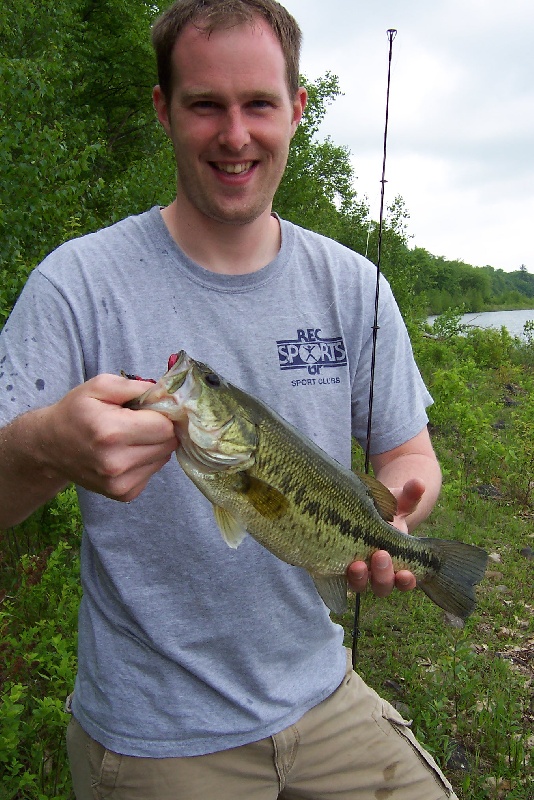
point(235, 169)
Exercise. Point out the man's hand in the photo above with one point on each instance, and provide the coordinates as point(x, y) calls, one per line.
point(93, 441)
point(381, 574)
point(87, 438)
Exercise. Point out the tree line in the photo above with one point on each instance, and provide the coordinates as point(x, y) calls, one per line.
point(81, 148)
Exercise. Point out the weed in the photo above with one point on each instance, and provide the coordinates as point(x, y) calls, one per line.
point(38, 621)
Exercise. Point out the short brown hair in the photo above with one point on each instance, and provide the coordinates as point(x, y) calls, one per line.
point(211, 15)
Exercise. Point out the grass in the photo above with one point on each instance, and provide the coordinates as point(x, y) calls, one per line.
point(469, 691)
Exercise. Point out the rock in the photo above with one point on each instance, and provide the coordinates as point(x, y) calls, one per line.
point(487, 490)
point(403, 710)
point(453, 621)
point(459, 760)
point(513, 388)
point(395, 686)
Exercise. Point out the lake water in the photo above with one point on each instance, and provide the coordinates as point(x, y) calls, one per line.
point(513, 321)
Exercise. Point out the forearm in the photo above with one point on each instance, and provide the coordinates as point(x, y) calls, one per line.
point(26, 478)
point(86, 438)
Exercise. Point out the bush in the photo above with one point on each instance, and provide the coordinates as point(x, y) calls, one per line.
point(38, 622)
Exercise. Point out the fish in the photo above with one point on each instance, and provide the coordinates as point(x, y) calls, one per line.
point(266, 479)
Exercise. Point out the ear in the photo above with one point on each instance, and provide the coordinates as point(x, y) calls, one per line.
point(162, 108)
point(299, 104)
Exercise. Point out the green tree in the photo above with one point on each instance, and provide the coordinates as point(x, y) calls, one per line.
point(75, 119)
point(317, 185)
point(396, 259)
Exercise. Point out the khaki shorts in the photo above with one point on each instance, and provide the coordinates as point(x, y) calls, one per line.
point(352, 745)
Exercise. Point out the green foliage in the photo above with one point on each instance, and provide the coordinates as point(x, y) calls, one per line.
point(482, 388)
point(76, 122)
point(449, 284)
point(398, 266)
point(318, 179)
point(38, 621)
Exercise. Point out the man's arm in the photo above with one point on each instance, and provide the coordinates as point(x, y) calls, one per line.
point(86, 438)
point(412, 472)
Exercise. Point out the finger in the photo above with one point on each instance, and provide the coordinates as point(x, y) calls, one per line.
point(405, 581)
point(146, 427)
point(382, 574)
point(411, 494)
point(134, 427)
point(358, 576)
point(144, 455)
point(119, 463)
point(129, 484)
point(114, 388)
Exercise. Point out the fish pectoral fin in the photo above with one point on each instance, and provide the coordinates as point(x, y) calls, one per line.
point(385, 502)
point(333, 591)
point(267, 500)
point(232, 530)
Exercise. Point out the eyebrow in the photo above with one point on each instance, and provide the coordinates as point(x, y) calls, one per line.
point(190, 95)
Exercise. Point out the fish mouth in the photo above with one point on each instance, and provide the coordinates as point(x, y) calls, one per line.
point(201, 440)
point(177, 375)
point(172, 391)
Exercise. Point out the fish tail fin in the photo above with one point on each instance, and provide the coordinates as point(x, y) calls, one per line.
point(452, 587)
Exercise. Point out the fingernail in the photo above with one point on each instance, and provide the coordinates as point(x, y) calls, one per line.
point(381, 562)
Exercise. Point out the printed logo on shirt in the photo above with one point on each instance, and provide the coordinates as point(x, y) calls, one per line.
point(312, 352)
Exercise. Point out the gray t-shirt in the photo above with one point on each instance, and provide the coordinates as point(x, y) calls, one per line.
point(187, 647)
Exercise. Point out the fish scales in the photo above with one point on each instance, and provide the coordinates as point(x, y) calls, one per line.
point(329, 516)
point(264, 477)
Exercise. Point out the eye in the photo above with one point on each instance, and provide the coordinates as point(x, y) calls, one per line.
point(212, 379)
point(204, 106)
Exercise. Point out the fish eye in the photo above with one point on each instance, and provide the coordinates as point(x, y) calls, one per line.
point(212, 379)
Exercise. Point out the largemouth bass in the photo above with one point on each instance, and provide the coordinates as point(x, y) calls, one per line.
point(265, 478)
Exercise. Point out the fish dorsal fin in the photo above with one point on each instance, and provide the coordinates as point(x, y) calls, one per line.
point(232, 530)
point(385, 502)
point(267, 500)
point(333, 591)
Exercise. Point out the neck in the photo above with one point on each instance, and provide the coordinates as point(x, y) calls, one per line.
point(221, 247)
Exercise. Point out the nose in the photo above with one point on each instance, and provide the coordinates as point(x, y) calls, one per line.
point(234, 133)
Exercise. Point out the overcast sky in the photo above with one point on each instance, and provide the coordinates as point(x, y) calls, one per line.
point(461, 124)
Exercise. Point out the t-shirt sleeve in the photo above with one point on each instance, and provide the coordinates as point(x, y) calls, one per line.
point(40, 352)
point(400, 397)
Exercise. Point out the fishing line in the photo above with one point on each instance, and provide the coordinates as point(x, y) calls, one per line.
point(391, 36)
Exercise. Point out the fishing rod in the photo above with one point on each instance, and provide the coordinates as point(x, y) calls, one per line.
point(391, 36)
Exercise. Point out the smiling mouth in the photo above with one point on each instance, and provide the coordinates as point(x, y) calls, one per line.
point(233, 169)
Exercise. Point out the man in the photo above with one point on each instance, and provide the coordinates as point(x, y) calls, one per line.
point(205, 672)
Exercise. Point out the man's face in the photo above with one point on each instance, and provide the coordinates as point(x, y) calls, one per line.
point(230, 119)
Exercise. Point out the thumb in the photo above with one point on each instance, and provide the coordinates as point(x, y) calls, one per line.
point(409, 497)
